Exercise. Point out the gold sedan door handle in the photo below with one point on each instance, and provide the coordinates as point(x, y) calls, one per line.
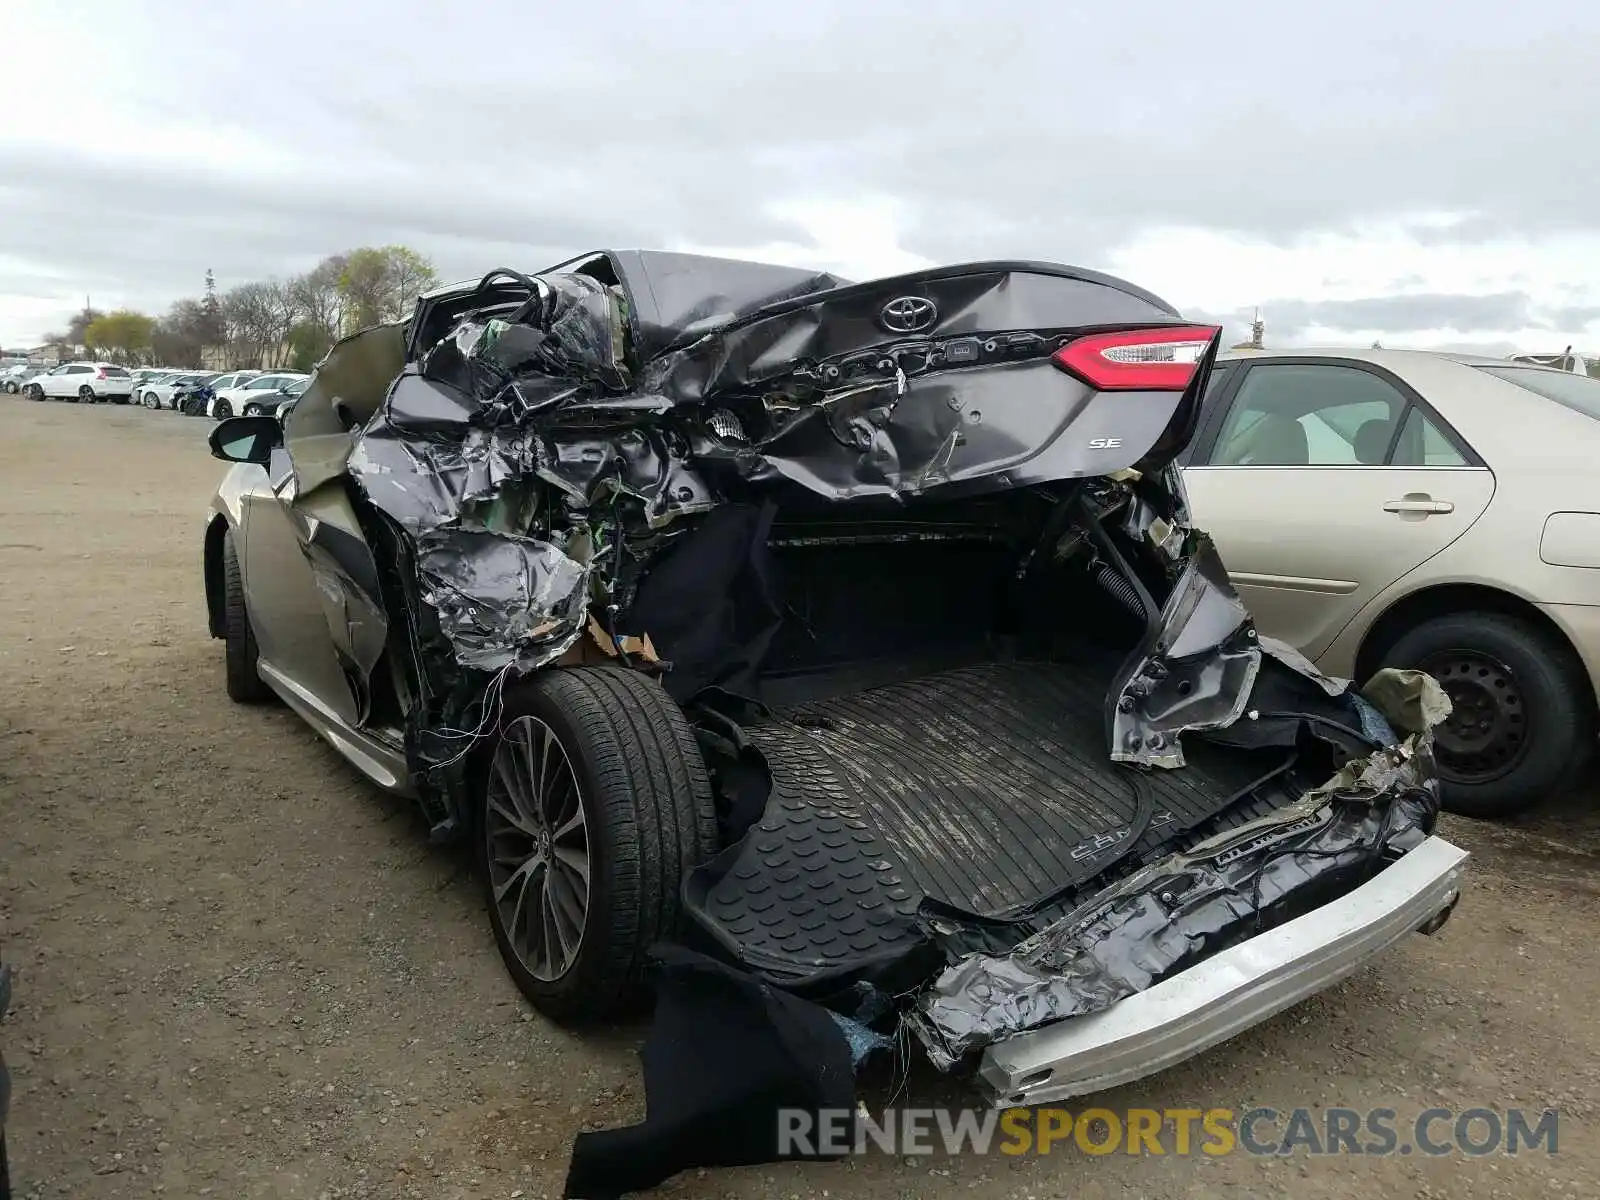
point(1418, 503)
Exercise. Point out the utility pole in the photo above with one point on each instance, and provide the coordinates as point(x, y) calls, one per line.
point(1258, 329)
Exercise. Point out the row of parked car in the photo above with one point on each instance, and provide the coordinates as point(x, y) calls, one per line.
point(194, 393)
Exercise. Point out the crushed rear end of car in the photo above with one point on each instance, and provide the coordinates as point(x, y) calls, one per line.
point(1001, 765)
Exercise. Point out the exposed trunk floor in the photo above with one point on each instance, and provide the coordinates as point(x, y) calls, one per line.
point(987, 789)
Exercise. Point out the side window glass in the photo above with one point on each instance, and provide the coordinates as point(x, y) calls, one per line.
point(1309, 414)
point(1218, 375)
point(1423, 444)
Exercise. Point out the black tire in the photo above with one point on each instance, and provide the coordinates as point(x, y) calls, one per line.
point(647, 802)
point(240, 655)
point(35, 392)
point(252, 410)
point(151, 401)
point(222, 410)
point(86, 394)
point(1523, 725)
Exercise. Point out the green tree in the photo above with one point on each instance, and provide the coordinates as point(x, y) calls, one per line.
point(381, 283)
point(123, 336)
point(213, 328)
point(308, 343)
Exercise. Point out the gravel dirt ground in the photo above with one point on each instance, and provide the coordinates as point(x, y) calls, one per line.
point(242, 972)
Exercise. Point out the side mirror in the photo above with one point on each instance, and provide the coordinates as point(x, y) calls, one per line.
point(246, 439)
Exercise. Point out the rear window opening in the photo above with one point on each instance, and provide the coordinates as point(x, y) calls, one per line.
point(1577, 392)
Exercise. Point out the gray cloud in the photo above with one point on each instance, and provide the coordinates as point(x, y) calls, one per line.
point(523, 134)
point(1292, 321)
point(1403, 314)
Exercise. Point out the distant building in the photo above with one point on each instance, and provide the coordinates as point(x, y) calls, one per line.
point(51, 353)
point(1567, 360)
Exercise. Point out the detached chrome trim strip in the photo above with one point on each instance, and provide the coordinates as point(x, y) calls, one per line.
point(1228, 993)
point(384, 764)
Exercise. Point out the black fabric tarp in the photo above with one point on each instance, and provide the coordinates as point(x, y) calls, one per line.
point(724, 1055)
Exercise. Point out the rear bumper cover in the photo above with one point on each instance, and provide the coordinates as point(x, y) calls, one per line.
point(1229, 992)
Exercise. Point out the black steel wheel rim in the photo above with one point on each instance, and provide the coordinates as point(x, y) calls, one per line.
point(1486, 734)
point(538, 848)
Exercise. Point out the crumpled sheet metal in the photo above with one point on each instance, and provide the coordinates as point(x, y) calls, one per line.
point(566, 343)
point(495, 423)
point(1197, 669)
point(356, 375)
point(1142, 929)
point(1194, 672)
point(502, 599)
point(1080, 967)
point(802, 385)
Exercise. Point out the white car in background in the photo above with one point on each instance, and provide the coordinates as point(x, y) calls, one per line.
point(162, 390)
point(86, 381)
point(14, 375)
point(237, 399)
point(143, 379)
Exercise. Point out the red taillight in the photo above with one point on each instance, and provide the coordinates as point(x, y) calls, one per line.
point(99, 372)
point(1146, 360)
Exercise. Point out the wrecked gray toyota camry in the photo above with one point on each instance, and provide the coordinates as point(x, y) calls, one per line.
point(844, 647)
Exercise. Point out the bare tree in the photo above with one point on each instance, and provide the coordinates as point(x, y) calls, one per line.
point(249, 313)
point(278, 312)
point(317, 297)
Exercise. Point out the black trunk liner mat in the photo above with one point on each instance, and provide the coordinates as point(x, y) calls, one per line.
point(987, 789)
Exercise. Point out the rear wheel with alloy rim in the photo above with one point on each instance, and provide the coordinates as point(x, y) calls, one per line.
point(86, 394)
point(1522, 710)
point(595, 802)
point(34, 392)
point(240, 655)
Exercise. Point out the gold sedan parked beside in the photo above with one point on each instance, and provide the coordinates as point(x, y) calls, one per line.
point(1405, 508)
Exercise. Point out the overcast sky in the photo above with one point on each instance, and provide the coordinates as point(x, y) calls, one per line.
point(1422, 171)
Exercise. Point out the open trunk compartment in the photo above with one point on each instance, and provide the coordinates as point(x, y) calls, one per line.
point(983, 792)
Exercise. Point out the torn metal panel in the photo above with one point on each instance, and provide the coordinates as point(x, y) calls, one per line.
point(345, 390)
point(1179, 910)
point(1195, 670)
point(537, 412)
point(502, 598)
point(675, 299)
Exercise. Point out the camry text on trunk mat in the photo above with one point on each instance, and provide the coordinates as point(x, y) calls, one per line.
point(833, 663)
